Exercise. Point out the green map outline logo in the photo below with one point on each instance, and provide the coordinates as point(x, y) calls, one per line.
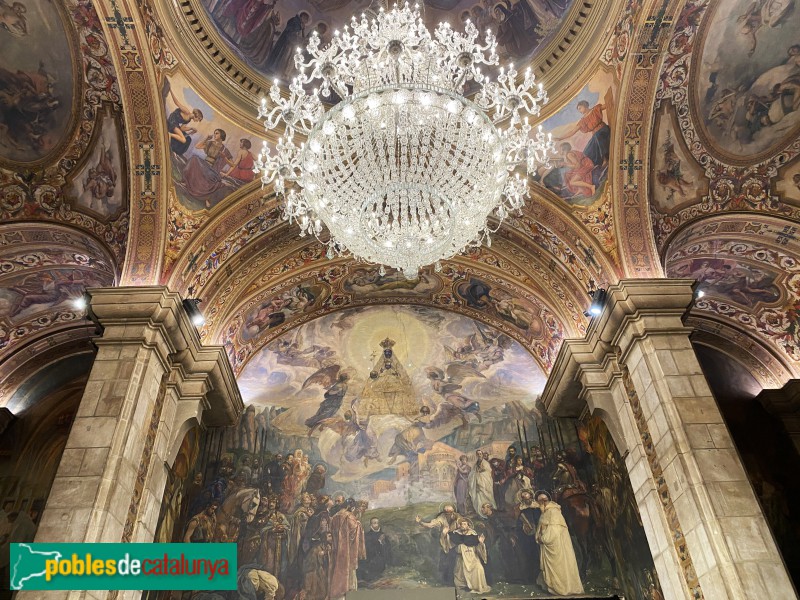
point(17, 584)
point(118, 566)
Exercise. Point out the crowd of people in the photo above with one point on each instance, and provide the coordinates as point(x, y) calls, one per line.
point(293, 540)
point(500, 529)
point(297, 541)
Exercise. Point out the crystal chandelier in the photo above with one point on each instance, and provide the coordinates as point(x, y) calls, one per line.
point(400, 164)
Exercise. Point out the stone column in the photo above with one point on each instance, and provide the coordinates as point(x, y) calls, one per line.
point(150, 382)
point(636, 368)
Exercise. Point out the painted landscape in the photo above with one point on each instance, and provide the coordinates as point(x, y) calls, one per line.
point(403, 447)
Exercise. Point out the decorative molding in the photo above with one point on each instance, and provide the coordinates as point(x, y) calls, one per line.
point(678, 539)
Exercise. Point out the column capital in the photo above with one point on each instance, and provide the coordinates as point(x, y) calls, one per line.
point(633, 308)
point(154, 316)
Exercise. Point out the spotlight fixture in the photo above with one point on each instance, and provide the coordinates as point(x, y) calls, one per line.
point(81, 302)
point(598, 297)
point(700, 293)
point(191, 306)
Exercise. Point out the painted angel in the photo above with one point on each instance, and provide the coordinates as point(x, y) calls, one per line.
point(295, 353)
point(454, 404)
point(356, 441)
point(334, 382)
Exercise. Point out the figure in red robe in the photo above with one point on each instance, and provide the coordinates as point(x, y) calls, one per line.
point(348, 548)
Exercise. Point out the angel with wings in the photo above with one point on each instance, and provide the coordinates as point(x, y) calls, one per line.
point(454, 404)
point(481, 349)
point(356, 441)
point(334, 381)
point(290, 353)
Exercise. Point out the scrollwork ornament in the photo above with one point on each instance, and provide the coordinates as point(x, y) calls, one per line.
point(12, 199)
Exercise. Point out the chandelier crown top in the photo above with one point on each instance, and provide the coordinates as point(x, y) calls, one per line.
point(409, 146)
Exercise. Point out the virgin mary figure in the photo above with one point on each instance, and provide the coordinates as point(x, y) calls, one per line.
point(389, 390)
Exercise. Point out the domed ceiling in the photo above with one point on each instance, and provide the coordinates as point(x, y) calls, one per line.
point(265, 34)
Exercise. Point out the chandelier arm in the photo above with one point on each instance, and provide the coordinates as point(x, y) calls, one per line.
point(404, 170)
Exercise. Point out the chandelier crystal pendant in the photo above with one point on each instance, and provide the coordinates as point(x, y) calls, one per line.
point(402, 166)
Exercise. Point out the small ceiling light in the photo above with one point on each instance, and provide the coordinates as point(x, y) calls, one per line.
point(598, 297)
point(191, 306)
point(80, 303)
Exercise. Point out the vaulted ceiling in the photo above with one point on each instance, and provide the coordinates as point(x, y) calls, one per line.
point(695, 173)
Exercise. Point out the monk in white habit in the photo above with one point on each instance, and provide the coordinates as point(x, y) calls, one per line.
point(557, 557)
point(470, 557)
point(481, 484)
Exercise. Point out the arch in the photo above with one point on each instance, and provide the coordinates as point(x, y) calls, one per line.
point(44, 269)
point(760, 360)
point(747, 270)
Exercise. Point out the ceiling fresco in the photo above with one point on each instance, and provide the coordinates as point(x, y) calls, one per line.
point(210, 156)
point(63, 179)
point(270, 310)
point(582, 134)
point(646, 152)
point(39, 84)
point(677, 180)
point(75, 42)
point(43, 270)
point(749, 272)
point(423, 338)
point(100, 185)
point(746, 92)
point(676, 127)
point(265, 34)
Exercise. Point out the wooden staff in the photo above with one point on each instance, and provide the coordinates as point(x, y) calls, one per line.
point(527, 446)
point(540, 437)
point(560, 434)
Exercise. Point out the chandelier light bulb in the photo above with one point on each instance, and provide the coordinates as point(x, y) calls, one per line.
point(413, 151)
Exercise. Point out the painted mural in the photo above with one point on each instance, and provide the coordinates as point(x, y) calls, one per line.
point(582, 135)
point(265, 34)
point(403, 447)
point(489, 298)
point(369, 281)
point(747, 88)
point(42, 272)
point(733, 280)
point(677, 180)
point(99, 186)
point(210, 157)
point(788, 185)
point(304, 297)
point(25, 295)
point(750, 270)
point(37, 79)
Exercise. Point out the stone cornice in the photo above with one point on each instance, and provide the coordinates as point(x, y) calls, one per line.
point(634, 308)
point(154, 317)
